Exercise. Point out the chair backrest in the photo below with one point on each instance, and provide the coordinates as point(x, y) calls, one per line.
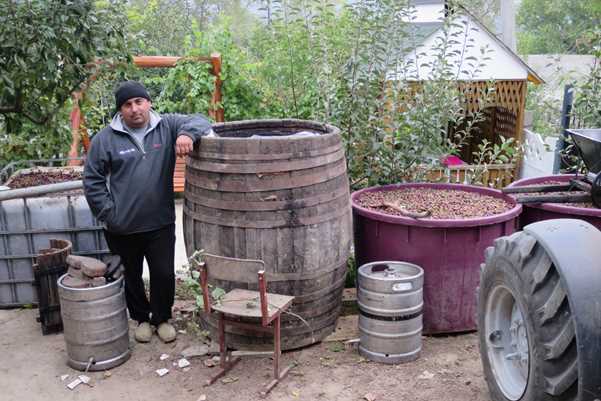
point(233, 269)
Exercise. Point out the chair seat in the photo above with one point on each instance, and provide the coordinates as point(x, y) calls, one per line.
point(246, 303)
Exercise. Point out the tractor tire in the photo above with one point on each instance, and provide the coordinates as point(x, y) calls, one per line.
point(526, 329)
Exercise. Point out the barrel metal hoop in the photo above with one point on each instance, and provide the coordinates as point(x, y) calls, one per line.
point(267, 156)
point(300, 299)
point(258, 168)
point(269, 205)
point(268, 181)
point(294, 221)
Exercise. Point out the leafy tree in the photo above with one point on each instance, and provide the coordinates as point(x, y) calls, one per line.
point(334, 64)
point(166, 27)
point(587, 105)
point(557, 26)
point(160, 27)
point(46, 50)
point(188, 87)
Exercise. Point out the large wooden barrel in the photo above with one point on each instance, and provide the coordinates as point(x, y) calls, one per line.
point(275, 190)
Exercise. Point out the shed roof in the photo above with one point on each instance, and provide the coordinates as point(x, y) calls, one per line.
point(464, 52)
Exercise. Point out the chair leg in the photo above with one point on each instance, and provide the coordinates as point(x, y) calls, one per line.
point(225, 363)
point(277, 351)
point(222, 346)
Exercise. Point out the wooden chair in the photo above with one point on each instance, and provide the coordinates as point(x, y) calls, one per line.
point(260, 305)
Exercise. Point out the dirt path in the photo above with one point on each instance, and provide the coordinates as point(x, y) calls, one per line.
point(31, 366)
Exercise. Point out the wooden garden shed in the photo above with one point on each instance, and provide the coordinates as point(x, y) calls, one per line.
point(504, 69)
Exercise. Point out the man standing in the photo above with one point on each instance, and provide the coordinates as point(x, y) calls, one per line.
point(128, 183)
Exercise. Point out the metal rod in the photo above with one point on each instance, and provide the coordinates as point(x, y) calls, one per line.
point(582, 197)
point(582, 185)
point(566, 113)
point(537, 188)
point(40, 190)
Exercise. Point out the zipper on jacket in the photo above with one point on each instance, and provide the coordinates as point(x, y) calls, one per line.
point(133, 139)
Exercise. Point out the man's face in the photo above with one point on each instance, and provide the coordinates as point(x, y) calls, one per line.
point(136, 112)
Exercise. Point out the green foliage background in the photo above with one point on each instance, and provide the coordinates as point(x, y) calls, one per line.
point(45, 47)
point(558, 26)
point(310, 59)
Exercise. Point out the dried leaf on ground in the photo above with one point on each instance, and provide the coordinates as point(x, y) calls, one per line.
point(425, 375)
point(229, 380)
point(326, 361)
point(369, 397)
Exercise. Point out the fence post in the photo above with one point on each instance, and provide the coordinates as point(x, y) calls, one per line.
point(566, 114)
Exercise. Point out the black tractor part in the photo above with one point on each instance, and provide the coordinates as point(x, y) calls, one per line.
point(539, 313)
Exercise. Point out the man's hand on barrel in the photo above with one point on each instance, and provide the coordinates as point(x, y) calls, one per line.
point(183, 145)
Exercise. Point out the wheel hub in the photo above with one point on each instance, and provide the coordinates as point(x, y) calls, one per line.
point(507, 345)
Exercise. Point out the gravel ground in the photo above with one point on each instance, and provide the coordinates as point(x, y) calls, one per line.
point(32, 365)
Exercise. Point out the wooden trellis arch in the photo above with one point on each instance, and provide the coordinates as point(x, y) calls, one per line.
point(78, 132)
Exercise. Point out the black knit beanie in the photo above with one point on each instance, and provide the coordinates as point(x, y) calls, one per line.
point(127, 90)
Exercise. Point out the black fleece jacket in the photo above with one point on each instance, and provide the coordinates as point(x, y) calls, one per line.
point(130, 187)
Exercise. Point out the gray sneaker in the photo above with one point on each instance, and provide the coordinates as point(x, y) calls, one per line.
point(166, 332)
point(143, 332)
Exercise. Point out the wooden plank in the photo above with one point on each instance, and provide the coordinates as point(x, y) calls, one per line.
point(233, 269)
point(245, 303)
point(284, 250)
point(163, 61)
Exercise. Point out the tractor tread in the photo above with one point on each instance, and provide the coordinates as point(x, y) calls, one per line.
point(541, 270)
point(559, 384)
point(554, 350)
point(556, 347)
point(551, 306)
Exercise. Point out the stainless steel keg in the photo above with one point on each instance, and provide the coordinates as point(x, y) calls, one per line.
point(390, 298)
point(95, 325)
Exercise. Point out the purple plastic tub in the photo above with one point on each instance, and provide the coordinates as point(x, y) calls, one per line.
point(449, 251)
point(545, 211)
